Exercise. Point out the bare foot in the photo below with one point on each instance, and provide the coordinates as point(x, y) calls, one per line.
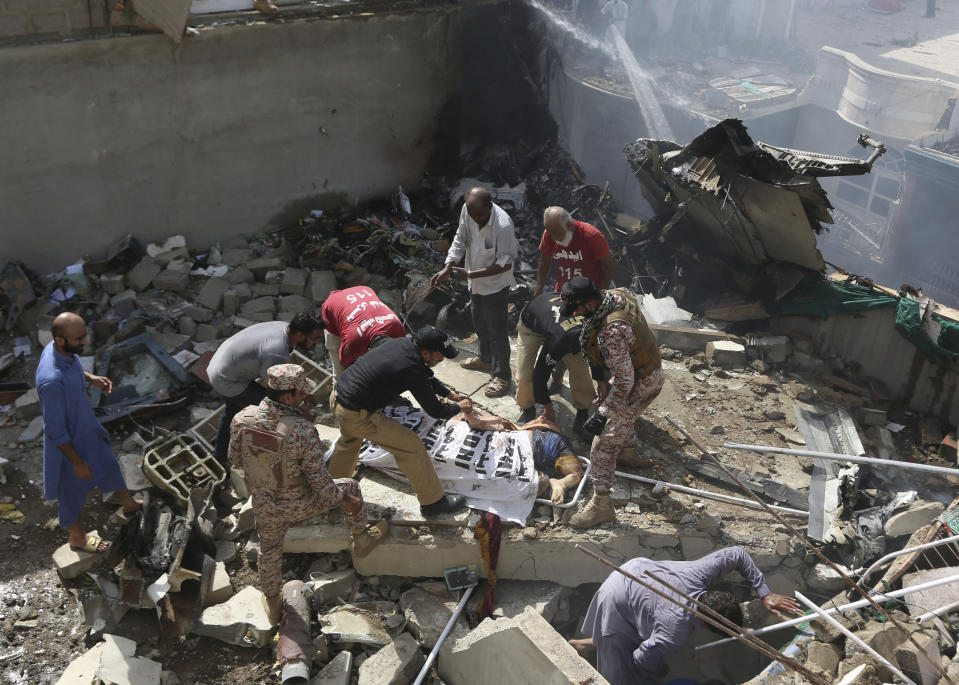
point(584, 647)
point(130, 505)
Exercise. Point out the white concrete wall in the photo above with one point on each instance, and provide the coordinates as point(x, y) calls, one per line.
point(233, 131)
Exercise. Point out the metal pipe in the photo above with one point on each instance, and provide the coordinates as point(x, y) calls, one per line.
point(905, 550)
point(749, 504)
point(844, 457)
point(294, 645)
point(858, 604)
point(722, 623)
point(442, 638)
point(938, 612)
point(852, 636)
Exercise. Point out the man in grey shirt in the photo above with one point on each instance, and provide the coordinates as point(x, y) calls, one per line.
point(244, 357)
point(634, 631)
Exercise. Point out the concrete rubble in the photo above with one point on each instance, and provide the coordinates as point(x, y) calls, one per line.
point(241, 620)
point(112, 661)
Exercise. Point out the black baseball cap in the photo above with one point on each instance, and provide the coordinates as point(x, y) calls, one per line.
point(577, 291)
point(433, 339)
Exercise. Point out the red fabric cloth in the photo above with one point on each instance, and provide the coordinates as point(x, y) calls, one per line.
point(579, 258)
point(357, 316)
point(489, 531)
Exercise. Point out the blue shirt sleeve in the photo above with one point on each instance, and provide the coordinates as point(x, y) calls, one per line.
point(53, 401)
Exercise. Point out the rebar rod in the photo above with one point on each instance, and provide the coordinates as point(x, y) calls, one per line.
point(729, 499)
point(736, 632)
point(833, 456)
point(851, 606)
point(802, 538)
point(852, 636)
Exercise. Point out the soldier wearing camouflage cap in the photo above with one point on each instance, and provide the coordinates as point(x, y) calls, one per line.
point(281, 455)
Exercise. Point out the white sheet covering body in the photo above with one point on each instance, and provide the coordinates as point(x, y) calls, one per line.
point(493, 470)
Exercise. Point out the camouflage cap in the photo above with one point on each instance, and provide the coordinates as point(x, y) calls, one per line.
point(289, 377)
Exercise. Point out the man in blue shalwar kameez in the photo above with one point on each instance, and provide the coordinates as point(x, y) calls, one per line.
point(76, 448)
point(634, 631)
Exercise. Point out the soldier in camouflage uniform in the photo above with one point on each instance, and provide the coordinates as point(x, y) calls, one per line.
point(281, 456)
point(617, 342)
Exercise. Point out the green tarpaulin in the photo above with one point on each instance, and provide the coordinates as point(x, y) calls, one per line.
point(818, 296)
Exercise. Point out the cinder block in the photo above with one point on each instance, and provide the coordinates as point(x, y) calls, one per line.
point(320, 285)
point(231, 302)
point(265, 289)
point(172, 281)
point(294, 304)
point(211, 294)
point(206, 332)
point(725, 353)
point(294, 280)
point(140, 276)
point(258, 306)
point(112, 284)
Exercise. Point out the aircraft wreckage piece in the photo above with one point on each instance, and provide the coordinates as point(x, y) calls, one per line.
point(738, 205)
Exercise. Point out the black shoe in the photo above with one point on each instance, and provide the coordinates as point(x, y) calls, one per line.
point(526, 415)
point(443, 505)
point(581, 416)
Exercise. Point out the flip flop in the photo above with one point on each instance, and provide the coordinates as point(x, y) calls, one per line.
point(94, 545)
point(497, 387)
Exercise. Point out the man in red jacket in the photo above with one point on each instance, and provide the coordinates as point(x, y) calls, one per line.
point(356, 321)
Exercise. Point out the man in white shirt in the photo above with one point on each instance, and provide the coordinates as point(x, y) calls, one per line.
point(487, 239)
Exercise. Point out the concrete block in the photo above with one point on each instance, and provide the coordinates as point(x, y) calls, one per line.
point(426, 615)
point(71, 564)
point(27, 405)
point(245, 521)
point(265, 289)
point(912, 519)
point(124, 303)
point(823, 658)
point(822, 578)
point(337, 672)
point(172, 281)
point(240, 275)
point(221, 589)
point(260, 265)
point(243, 290)
point(525, 649)
point(187, 326)
point(131, 464)
point(242, 620)
point(687, 339)
point(230, 302)
point(206, 332)
point(771, 348)
point(180, 265)
point(294, 281)
point(514, 596)
point(356, 276)
point(258, 317)
point(111, 284)
point(140, 276)
point(882, 637)
point(327, 587)
point(320, 285)
point(32, 431)
point(919, 664)
point(168, 250)
point(726, 354)
point(294, 304)
point(112, 661)
point(236, 256)
point(211, 294)
point(197, 313)
point(258, 306)
point(395, 664)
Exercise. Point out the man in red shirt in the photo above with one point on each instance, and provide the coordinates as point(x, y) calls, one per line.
point(578, 248)
point(356, 321)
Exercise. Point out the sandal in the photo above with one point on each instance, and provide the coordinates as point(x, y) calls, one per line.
point(94, 545)
point(497, 387)
point(475, 364)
